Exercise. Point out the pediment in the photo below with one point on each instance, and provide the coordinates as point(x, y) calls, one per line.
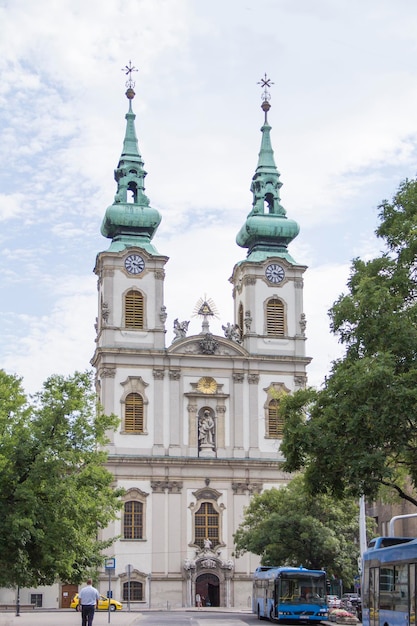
point(208, 345)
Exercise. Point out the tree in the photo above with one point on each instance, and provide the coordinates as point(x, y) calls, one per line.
point(55, 493)
point(358, 434)
point(288, 526)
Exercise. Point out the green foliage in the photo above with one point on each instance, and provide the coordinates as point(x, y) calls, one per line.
point(288, 526)
point(55, 493)
point(358, 434)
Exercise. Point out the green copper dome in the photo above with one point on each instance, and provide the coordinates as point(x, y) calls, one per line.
point(267, 231)
point(130, 221)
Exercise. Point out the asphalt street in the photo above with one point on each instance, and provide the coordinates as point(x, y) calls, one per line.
point(124, 618)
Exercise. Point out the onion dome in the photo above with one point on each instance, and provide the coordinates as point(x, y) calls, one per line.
point(130, 221)
point(267, 230)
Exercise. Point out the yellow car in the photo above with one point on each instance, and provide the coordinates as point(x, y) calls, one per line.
point(103, 604)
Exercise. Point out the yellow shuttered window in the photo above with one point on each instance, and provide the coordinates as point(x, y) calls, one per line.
point(133, 520)
point(134, 413)
point(134, 309)
point(275, 326)
point(275, 423)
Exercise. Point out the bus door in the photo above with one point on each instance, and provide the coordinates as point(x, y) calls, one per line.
point(412, 594)
point(374, 596)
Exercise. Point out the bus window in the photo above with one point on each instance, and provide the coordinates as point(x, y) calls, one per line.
point(386, 587)
point(400, 592)
point(374, 596)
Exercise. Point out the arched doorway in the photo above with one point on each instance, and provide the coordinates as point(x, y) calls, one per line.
point(208, 586)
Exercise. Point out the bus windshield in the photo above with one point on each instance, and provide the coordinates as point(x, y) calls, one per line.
point(297, 589)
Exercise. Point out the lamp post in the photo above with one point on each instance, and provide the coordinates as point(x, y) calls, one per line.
point(18, 601)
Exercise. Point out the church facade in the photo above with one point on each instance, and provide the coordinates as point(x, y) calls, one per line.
point(199, 428)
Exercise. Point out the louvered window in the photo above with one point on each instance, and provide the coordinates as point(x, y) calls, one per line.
point(275, 326)
point(133, 520)
point(206, 523)
point(275, 427)
point(134, 309)
point(134, 413)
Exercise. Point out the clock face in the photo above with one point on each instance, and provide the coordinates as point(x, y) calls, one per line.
point(134, 264)
point(275, 273)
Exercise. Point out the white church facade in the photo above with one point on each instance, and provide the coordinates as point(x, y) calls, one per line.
point(199, 430)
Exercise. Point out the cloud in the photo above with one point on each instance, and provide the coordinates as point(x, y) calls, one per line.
point(344, 134)
point(56, 343)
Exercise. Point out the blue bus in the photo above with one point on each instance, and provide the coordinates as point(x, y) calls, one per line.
point(283, 594)
point(389, 581)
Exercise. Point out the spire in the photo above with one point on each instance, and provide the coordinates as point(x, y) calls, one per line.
point(267, 231)
point(130, 221)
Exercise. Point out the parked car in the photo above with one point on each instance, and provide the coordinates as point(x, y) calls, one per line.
point(333, 602)
point(353, 598)
point(103, 604)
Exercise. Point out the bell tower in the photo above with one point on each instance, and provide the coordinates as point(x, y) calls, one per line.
point(268, 284)
point(131, 310)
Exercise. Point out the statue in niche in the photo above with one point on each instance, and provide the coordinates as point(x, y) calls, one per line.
point(180, 329)
point(206, 430)
point(232, 331)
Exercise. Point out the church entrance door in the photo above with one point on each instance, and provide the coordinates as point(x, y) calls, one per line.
point(208, 586)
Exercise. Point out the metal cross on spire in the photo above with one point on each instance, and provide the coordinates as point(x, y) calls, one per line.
point(265, 83)
point(128, 69)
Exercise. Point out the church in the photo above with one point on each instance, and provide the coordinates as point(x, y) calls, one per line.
point(199, 429)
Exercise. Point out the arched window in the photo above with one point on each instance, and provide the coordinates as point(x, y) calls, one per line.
point(134, 309)
point(134, 413)
point(136, 591)
point(240, 319)
point(275, 320)
point(275, 424)
point(206, 523)
point(133, 520)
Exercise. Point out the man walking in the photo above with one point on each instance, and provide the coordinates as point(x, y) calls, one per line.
point(88, 598)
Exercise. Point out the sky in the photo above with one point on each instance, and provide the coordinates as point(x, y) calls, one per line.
point(344, 132)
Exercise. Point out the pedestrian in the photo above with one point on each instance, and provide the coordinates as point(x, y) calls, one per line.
point(88, 599)
point(198, 600)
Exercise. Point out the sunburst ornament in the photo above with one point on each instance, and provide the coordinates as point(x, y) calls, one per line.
point(205, 308)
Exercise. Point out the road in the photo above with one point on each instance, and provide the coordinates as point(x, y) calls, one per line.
point(203, 617)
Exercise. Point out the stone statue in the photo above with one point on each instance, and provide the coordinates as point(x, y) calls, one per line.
point(232, 331)
point(163, 314)
point(207, 544)
point(180, 329)
point(206, 430)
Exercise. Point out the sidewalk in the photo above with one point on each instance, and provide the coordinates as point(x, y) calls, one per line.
point(66, 617)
